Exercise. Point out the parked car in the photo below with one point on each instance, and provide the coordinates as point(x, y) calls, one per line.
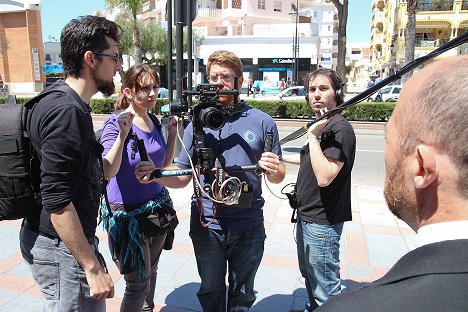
point(386, 94)
point(293, 93)
point(269, 87)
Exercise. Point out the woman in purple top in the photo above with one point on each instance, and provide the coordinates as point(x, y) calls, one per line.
point(135, 253)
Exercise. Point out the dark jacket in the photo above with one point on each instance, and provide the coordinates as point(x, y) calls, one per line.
point(433, 277)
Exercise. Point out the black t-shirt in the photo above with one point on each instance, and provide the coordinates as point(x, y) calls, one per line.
point(330, 204)
point(61, 131)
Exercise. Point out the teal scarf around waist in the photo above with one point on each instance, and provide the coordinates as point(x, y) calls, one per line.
point(133, 254)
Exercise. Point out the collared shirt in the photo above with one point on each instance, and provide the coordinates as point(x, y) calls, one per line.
point(443, 231)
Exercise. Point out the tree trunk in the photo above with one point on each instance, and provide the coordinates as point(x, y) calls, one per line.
point(342, 21)
point(136, 42)
point(410, 38)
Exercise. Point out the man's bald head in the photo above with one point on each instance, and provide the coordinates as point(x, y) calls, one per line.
point(432, 109)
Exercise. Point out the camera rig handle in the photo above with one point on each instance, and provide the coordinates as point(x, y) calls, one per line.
point(160, 173)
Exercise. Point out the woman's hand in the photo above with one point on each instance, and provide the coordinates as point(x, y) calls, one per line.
point(125, 120)
point(173, 123)
point(143, 170)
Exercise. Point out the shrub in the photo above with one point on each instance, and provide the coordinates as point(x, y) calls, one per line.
point(364, 111)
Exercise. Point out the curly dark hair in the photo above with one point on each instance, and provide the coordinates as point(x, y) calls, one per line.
point(85, 33)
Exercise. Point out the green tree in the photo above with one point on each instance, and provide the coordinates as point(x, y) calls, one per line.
point(342, 8)
point(153, 40)
point(133, 7)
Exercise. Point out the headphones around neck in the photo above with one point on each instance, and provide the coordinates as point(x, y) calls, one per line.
point(336, 80)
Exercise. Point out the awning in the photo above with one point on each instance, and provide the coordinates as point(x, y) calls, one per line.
point(433, 24)
point(52, 69)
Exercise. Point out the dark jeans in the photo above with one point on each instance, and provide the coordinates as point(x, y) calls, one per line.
point(139, 293)
point(239, 251)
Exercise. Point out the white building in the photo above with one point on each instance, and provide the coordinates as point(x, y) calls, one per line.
point(357, 55)
point(261, 33)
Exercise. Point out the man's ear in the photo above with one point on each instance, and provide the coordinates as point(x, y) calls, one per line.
point(89, 59)
point(241, 80)
point(426, 171)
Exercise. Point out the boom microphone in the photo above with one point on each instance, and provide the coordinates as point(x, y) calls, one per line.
point(393, 77)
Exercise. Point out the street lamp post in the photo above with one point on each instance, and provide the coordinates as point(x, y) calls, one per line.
point(296, 47)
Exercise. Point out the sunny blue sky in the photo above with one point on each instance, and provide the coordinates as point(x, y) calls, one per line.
point(57, 13)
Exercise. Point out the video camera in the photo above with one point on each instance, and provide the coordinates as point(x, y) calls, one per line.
point(208, 112)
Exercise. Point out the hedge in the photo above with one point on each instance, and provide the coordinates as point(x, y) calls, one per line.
point(364, 111)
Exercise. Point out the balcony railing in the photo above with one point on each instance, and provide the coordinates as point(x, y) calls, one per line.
point(428, 43)
point(208, 12)
point(436, 5)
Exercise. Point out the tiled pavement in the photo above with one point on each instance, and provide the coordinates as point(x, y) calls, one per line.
point(371, 244)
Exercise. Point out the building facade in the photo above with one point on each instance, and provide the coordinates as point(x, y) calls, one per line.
point(262, 33)
point(357, 57)
point(21, 48)
point(437, 21)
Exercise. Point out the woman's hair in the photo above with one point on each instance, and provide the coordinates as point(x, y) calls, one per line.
point(133, 79)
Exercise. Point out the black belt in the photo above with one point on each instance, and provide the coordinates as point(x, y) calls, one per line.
point(58, 240)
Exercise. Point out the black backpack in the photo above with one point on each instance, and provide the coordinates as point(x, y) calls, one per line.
point(19, 164)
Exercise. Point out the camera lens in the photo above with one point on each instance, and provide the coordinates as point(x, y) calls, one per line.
point(212, 118)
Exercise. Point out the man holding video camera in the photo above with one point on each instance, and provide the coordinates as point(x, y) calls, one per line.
point(229, 237)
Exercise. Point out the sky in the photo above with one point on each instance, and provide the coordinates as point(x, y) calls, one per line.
point(57, 13)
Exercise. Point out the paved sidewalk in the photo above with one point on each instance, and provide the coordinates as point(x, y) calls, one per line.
point(371, 244)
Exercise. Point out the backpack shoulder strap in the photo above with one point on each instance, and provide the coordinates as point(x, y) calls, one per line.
point(30, 104)
point(155, 120)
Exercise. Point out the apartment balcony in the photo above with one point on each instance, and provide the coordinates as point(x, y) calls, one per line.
point(377, 18)
point(422, 51)
point(377, 39)
point(203, 13)
point(260, 30)
point(281, 30)
point(378, 4)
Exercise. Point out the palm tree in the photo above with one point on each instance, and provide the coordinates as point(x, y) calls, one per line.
point(410, 38)
point(133, 6)
point(342, 20)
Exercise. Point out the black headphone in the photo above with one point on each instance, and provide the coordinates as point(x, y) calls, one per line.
point(336, 80)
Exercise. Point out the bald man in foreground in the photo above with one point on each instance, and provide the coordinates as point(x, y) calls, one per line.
point(426, 185)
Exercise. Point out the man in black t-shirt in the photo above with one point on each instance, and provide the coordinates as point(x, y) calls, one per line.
point(59, 243)
point(323, 188)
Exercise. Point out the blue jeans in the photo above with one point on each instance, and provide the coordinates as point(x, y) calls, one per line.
point(238, 251)
point(57, 273)
point(318, 252)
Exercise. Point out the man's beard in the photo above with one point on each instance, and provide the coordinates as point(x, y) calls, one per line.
point(106, 87)
point(396, 194)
